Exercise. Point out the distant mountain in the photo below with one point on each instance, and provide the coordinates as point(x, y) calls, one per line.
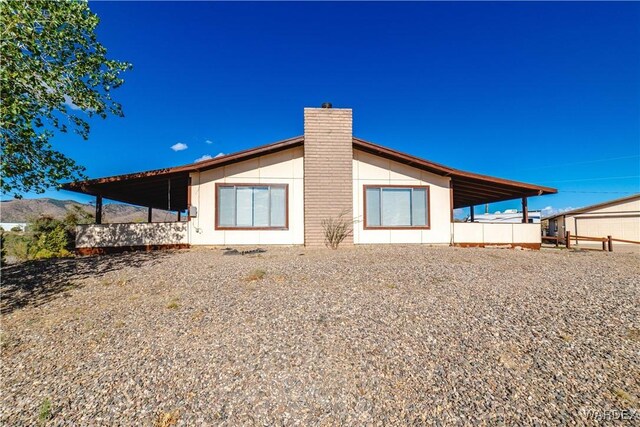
point(25, 210)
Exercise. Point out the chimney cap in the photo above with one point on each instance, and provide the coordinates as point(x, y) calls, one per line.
point(326, 105)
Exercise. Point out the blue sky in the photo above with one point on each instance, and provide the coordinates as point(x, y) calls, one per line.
point(547, 93)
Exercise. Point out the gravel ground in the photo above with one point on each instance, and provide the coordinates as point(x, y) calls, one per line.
point(380, 335)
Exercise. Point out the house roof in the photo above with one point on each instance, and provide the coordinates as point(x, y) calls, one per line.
point(469, 189)
point(167, 188)
point(596, 206)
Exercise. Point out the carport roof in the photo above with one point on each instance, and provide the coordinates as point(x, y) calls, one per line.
point(168, 188)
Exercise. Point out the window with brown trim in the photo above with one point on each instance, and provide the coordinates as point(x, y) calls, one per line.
point(252, 206)
point(396, 207)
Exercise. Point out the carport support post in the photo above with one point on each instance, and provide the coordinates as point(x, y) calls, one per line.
point(525, 211)
point(178, 216)
point(472, 213)
point(150, 214)
point(98, 209)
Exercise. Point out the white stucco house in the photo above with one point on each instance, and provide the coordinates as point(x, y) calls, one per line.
point(618, 218)
point(279, 194)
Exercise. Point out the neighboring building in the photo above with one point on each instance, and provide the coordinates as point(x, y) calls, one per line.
point(280, 193)
point(8, 226)
point(618, 218)
point(511, 216)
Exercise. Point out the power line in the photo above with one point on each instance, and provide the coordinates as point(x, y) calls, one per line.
point(594, 179)
point(597, 192)
point(635, 156)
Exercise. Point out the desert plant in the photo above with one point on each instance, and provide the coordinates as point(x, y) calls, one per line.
point(18, 246)
point(337, 229)
point(173, 304)
point(167, 419)
point(48, 237)
point(256, 274)
point(44, 414)
point(3, 250)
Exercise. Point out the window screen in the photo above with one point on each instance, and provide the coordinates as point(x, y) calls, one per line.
point(389, 207)
point(248, 206)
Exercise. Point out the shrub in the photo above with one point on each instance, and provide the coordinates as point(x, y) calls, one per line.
point(18, 246)
point(3, 250)
point(17, 229)
point(167, 419)
point(47, 237)
point(256, 274)
point(173, 304)
point(44, 414)
point(50, 238)
point(337, 229)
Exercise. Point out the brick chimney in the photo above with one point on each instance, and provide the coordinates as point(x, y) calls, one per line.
point(328, 169)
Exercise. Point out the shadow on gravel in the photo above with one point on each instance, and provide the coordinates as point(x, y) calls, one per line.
point(34, 283)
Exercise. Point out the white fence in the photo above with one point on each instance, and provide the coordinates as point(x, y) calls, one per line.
point(131, 235)
point(485, 234)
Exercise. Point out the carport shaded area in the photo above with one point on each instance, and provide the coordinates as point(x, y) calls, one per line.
point(161, 189)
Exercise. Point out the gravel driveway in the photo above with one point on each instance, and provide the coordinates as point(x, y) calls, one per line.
point(379, 335)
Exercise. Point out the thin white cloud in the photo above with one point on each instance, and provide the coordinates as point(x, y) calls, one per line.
point(220, 155)
point(67, 99)
point(69, 103)
point(203, 158)
point(179, 146)
point(550, 211)
point(208, 141)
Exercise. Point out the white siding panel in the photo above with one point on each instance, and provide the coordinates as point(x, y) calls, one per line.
point(405, 236)
point(404, 173)
point(246, 169)
point(470, 232)
point(373, 170)
point(526, 233)
point(285, 167)
point(496, 233)
point(278, 165)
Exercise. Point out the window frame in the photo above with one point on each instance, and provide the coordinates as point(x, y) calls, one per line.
point(427, 211)
point(235, 185)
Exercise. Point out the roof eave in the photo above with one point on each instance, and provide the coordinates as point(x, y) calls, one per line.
point(81, 186)
point(443, 170)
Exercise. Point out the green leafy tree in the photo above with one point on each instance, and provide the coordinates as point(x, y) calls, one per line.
point(54, 75)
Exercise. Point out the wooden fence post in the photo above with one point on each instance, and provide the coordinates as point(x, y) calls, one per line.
point(604, 245)
point(98, 209)
point(567, 239)
point(610, 242)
